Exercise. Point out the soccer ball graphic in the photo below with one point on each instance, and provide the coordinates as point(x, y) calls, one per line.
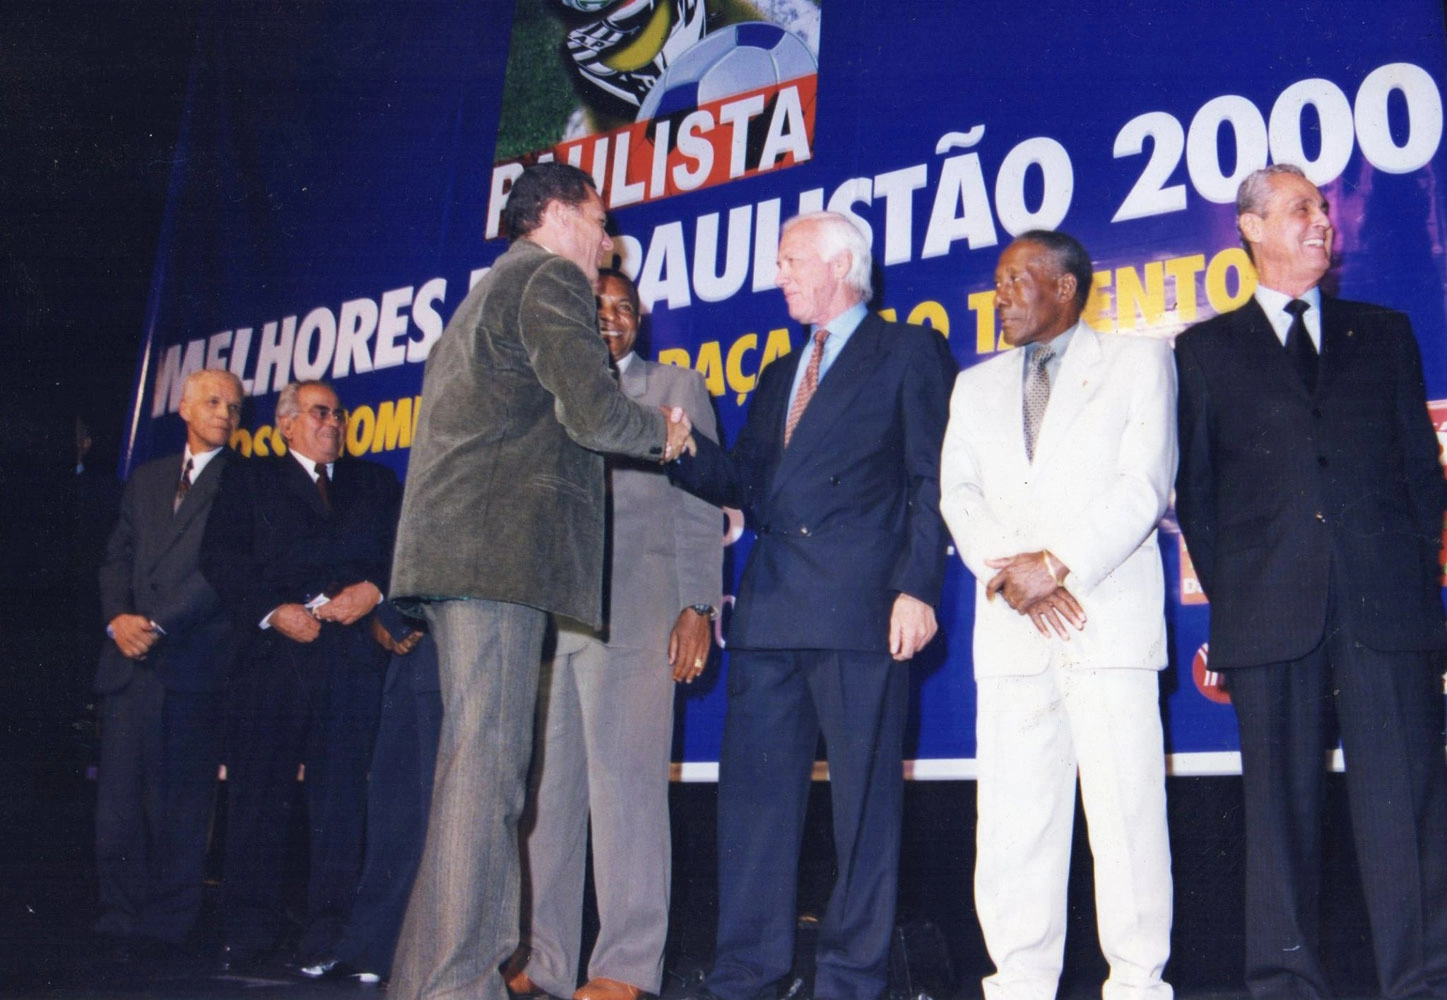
point(588, 6)
point(732, 60)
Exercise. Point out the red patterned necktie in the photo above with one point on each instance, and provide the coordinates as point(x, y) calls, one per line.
point(806, 387)
point(182, 488)
point(324, 486)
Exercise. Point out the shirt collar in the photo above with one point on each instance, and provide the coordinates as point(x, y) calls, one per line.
point(310, 466)
point(1058, 344)
point(1273, 304)
point(198, 462)
point(841, 326)
point(1272, 300)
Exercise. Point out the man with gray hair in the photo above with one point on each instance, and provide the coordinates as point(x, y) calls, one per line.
point(838, 465)
point(160, 677)
point(299, 547)
point(1311, 497)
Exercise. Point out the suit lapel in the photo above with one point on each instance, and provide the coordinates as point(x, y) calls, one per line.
point(634, 380)
point(1076, 382)
point(203, 488)
point(1259, 347)
point(837, 389)
point(304, 486)
point(1338, 340)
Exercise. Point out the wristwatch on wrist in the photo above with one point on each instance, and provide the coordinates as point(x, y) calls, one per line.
point(707, 610)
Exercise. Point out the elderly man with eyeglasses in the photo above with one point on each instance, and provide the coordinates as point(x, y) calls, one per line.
point(299, 546)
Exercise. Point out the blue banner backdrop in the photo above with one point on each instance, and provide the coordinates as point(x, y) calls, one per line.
point(339, 166)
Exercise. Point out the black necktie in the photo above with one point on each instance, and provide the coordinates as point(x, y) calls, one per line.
point(1299, 346)
point(324, 486)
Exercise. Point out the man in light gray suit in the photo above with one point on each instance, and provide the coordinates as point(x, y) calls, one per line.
point(605, 708)
point(501, 524)
point(160, 676)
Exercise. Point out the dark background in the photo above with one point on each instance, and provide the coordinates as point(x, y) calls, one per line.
point(91, 95)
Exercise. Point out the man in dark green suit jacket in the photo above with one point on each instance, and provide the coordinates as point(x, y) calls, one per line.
point(502, 523)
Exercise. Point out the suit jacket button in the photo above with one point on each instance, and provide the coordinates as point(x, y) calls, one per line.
point(1316, 412)
point(1321, 517)
point(765, 530)
point(1321, 461)
point(804, 530)
point(833, 480)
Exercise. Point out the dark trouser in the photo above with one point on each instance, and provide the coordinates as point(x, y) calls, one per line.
point(779, 703)
point(291, 703)
point(398, 798)
point(153, 807)
point(1389, 710)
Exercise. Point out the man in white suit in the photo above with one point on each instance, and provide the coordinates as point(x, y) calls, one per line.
point(1057, 465)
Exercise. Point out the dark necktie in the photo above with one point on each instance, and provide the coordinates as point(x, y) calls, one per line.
point(324, 486)
point(182, 488)
point(807, 386)
point(1037, 395)
point(1299, 347)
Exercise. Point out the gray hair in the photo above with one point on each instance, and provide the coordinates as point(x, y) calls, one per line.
point(286, 403)
point(838, 234)
point(1254, 190)
point(192, 385)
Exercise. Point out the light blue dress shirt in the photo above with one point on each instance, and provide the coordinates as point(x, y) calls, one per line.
point(841, 328)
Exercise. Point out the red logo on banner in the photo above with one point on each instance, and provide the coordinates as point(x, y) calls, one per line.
point(718, 141)
point(1211, 684)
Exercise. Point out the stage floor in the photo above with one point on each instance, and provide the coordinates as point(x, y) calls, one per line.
point(47, 897)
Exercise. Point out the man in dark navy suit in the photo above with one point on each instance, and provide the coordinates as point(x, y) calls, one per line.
point(299, 546)
point(160, 675)
point(838, 466)
point(1311, 498)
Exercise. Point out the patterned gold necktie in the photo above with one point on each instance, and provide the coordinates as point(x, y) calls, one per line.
point(807, 386)
point(1037, 395)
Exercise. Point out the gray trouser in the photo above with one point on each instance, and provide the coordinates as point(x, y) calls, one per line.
point(462, 918)
point(605, 729)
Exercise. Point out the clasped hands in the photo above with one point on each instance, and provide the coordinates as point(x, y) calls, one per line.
point(1030, 582)
point(346, 606)
point(134, 635)
point(680, 434)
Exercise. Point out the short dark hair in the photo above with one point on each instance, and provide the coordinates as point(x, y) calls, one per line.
point(535, 188)
point(613, 272)
point(1069, 256)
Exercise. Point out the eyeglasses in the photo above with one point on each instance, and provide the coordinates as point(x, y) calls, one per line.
point(322, 413)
